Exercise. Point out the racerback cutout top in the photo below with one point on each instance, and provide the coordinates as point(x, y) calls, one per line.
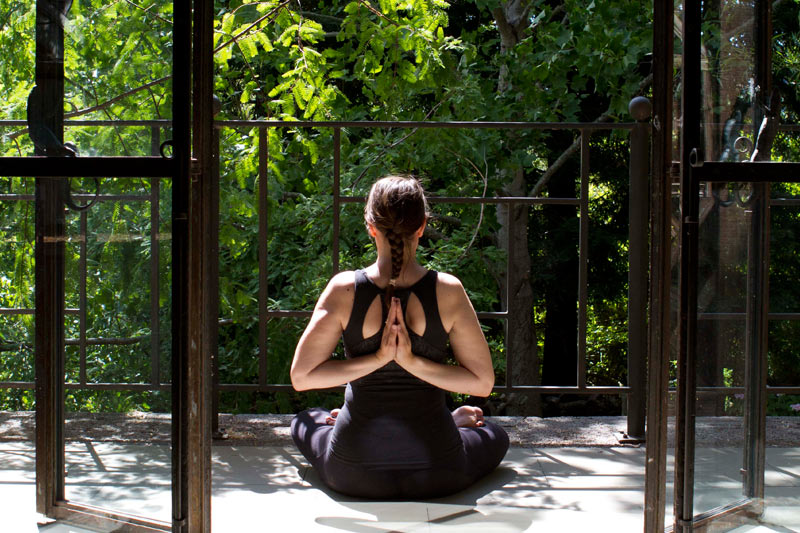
point(391, 418)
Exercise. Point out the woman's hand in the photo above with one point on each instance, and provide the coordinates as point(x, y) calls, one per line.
point(388, 348)
point(403, 354)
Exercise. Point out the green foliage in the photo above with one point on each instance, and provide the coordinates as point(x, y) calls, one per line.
point(335, 60)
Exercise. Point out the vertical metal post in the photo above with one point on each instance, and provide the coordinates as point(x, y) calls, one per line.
point(263, 227)
point(655, 493)
point(181, 305)
point(337, 147)
point(510, 273)
point(756, 334)
point(214, 288)
point(155, 256)
point(202, 273)
point(757, 309)
point(82, 296)
point(637, 264)
point(691, 154)
point(46, 109)
point(583, 259)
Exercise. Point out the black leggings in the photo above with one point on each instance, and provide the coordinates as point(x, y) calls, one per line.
point(484, 448)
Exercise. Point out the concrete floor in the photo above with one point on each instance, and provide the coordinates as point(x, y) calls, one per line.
point(272, 488)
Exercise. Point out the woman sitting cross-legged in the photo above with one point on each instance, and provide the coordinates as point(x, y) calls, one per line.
point(394, 438)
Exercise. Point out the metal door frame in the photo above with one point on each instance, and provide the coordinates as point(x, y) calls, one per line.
point(190, 452)
point(694, 170)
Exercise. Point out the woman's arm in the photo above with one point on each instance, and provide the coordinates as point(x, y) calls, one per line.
point(474, 374)
point(312, 366)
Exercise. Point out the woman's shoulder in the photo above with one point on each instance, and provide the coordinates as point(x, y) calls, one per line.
point(449, 290)
point(448, 282)
point(343, 282)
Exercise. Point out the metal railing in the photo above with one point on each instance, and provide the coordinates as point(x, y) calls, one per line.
point(639, 157)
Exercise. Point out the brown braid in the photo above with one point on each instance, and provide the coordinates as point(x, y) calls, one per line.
point(397, 246)
point(397, 207)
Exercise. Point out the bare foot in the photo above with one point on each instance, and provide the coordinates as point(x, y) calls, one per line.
point(468, 416)
point(331, 420)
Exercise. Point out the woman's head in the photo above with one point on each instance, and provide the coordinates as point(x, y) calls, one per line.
point(396, 207)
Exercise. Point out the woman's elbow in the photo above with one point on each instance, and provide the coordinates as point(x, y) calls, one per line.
point(299, 380)
point(485, 387)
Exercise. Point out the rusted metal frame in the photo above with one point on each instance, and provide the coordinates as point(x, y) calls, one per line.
point(49, 260)
point(524, 200)
point(638, 195)
point(82, 299)
point(83, 197)
point(263, 279)
point(215, 430)
point(758, 258)
point(756, 345)
point(90, 167)
point(181, 290)
point(155, 261)
point(687, 321)
point(337, 157)
point(158, 123)
point(510, 283)
point(202, 291)
point(29, 311)
point(424, 124)
point(753, 172)
point(102, 519)
point(583, 258)
point(275, 387)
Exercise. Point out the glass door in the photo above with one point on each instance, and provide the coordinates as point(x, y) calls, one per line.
point(730, 118)
point(110, 253)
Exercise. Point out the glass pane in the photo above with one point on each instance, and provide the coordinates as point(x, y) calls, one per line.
point(17, 44)
point(722, 285)
point(118, 66)
point(117, 410)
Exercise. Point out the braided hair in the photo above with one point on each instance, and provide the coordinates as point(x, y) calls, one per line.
point(397, 207)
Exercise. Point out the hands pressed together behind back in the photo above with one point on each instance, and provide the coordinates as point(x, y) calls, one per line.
point(395, 342)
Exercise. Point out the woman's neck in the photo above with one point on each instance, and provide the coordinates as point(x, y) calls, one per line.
point(381, 271)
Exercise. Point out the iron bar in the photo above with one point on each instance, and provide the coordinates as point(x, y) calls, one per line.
point(179, 167)
point(638, 215)
point(337, 148)
point(213, 312)
point(82, 299)
point(509, 281)
point(46, 110)
point(525, 200)
point(755, 172)
point(85, 197)
point(203, 289)
point(424, 124)
point(583, 259)
point(263, 251)
point(155, 262)
point(91, 167)
point(687, 321)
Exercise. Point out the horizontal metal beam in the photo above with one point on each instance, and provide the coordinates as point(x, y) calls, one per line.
point(527, 200)
point(424, 124)
point(99, 167)
point(756, 172)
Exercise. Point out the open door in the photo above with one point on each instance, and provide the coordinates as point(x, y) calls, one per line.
point(729, 118)
point(77, 185)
